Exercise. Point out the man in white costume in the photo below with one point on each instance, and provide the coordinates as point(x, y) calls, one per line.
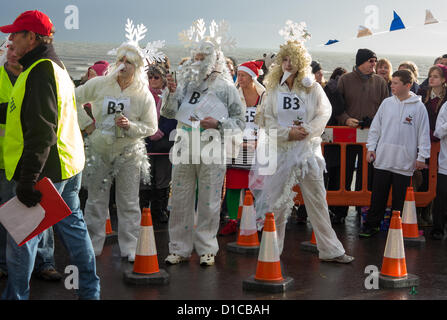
point(204, 75)
point(297, 110)
point(121, 156)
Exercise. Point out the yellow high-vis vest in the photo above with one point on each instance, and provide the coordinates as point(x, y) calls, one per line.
point(5, 94)
point(70, 146)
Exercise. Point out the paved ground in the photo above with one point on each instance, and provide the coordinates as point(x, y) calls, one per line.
point(313, 279)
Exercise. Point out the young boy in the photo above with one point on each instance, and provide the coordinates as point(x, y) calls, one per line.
point(398, 143)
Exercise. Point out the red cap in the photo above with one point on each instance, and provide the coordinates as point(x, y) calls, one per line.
point(34, 21)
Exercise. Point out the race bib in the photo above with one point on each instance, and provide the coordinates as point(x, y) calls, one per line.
point(188, 105)
point(291, 109)
point(250, 126)
point(109, 108)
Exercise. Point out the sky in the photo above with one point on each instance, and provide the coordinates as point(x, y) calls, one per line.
point(254, 24)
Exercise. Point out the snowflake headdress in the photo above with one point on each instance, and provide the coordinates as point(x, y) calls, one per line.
point(134, 34)
point(293, 31)
point(218, 35)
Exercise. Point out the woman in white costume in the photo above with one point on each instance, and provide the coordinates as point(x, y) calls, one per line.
point(204, 77)
point(117, 156)
point(297, 110)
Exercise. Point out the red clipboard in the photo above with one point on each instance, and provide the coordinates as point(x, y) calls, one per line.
point(55, 207)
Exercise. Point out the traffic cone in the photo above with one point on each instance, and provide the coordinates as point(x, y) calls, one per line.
point(268, 275)
point(111, 236)
point(241, 204)
point(145, 269)
point(247, 240)
point(394, 269)
point(311, 245)
point(410, 222)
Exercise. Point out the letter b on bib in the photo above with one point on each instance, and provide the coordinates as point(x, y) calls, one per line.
point(194, 98)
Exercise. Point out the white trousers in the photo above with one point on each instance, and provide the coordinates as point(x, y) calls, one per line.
point(314, 196)
point(183, 238)
point(127, 184)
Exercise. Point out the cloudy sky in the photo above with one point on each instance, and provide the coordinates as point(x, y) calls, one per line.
point(254, 24)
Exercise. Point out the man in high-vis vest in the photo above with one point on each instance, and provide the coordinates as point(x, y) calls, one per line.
point(44, 267)
point(42, 139)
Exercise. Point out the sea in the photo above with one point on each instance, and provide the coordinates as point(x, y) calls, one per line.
point(77, 57)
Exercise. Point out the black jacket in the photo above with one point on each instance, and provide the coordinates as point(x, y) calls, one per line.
point(39, 119)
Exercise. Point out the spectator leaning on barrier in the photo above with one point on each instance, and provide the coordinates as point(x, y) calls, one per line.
point(363, 92)
point(42, 139)
point(398, 143)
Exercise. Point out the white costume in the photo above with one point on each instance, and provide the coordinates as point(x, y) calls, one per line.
point(183, 238)
point(124, 158)
point(300, 162)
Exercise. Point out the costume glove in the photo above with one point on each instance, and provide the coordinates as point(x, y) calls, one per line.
point(27, 194)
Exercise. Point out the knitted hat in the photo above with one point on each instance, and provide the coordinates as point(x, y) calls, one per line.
point(364, 55)
point(316, 66)
point(444, 70)
point(253, 68)
point(100, 67)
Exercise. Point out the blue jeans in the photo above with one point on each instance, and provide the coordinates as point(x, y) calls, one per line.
point(73, 233)
point(45, 249)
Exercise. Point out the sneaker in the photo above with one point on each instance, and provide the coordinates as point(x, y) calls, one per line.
point(49, 275)
point(173, 258)
point(229, 228)
point(368, 232)
point(207, 259)
point(341, 259)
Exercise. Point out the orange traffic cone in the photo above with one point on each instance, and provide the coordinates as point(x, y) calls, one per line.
point(394, 269)
point(247, 240)
point(241, 204)
point(311, 245)
point(268, 275)
point(111, 236)
point(410, 222)
point(146, 268)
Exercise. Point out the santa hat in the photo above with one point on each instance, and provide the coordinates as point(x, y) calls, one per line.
point(253, 68)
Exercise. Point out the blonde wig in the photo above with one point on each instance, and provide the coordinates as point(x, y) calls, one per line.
point(300, 59)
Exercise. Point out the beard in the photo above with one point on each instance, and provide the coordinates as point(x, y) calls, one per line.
point(194, 73)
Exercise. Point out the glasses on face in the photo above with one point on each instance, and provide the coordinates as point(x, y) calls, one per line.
point(372, 60)
point(154, 77)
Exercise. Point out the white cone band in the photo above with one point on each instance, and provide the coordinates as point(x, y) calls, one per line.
point(394, 248)
point(146, 242)
point(248, 221)
point(269, 251)
point(409, 213)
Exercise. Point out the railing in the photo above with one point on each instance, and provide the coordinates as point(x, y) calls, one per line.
point(345, 136)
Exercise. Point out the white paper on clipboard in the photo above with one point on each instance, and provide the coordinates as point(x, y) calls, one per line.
point(20, 220)
point(210, 106)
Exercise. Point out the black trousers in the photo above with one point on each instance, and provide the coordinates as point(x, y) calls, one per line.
point(382, 182)
point(440, 204)
point(354, 152)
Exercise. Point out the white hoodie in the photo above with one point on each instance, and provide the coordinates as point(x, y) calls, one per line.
point(400, 135)
point(441, 133)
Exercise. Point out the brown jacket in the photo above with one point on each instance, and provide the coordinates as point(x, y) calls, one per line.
point(363, 95)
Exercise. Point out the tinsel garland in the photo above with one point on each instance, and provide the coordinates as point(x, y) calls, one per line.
point(135, 154)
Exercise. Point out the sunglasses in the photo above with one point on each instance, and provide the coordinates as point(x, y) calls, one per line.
point(372, 60)
point(154, 77)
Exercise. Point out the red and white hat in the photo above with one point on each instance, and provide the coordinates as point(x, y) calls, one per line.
point(253, 68)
